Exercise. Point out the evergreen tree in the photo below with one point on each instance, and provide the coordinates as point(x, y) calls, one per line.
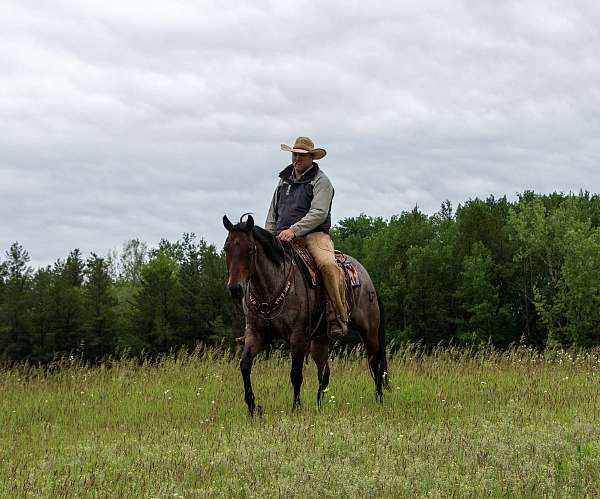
point(99, 308)
point(15, 311)
point(43, 341)
point(67, 304)
point(156, 313)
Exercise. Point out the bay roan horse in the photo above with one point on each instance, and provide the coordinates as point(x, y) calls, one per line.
point(279, 303)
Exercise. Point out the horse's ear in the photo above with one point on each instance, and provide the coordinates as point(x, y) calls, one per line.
point(249, 223)
point(226, 222)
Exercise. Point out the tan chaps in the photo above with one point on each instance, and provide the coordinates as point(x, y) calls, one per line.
point(320, 246)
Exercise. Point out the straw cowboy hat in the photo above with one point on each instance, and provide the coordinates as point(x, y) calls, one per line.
point(304, 145)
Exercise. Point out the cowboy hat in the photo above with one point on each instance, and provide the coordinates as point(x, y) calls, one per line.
point(304, 145)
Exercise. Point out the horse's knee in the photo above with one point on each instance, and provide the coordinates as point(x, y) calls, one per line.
point(246, 364)
point(296, 374)
point(325, 380)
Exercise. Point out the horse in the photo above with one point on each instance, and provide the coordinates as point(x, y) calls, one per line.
point(278, 302)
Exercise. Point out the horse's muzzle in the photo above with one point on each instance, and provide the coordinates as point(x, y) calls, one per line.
point(236, 292)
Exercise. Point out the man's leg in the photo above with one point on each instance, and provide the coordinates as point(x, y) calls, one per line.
point(321, 248)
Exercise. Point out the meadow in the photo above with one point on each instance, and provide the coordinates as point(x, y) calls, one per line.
point(456, 423)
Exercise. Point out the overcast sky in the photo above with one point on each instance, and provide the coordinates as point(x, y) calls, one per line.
point(150, 118)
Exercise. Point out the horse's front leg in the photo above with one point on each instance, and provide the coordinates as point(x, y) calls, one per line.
point(298, 351)
point(251, 348)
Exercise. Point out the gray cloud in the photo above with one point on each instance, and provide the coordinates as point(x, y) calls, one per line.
point(148, 119)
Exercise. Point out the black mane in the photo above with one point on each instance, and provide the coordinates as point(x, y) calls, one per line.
point(272, 247)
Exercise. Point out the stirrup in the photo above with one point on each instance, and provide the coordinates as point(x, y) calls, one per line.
point(337, 329)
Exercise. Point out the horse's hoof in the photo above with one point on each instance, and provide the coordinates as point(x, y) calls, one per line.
point(259, 411)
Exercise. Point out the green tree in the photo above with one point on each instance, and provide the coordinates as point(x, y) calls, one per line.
point(430, 287)
point(43, 344)
point(133, 257)
point(351, 234)
point(15, 311)
point(477, 297)
point(67, 304)
point(99, 308)
point(580, 287)
point(156, 313)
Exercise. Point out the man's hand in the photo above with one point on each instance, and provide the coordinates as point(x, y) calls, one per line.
point(286, 235)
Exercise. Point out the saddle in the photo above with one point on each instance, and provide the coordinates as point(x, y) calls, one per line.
point(308, 266)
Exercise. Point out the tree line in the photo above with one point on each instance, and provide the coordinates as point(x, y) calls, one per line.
point(491, 271)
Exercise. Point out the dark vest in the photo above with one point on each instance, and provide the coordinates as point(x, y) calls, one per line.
point(294, 198)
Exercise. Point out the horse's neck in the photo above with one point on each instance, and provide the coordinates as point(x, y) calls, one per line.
point(267, 276)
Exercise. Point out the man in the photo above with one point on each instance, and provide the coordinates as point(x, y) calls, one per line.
point(301, 206)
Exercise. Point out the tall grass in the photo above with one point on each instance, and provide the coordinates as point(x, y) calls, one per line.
point(456, 423)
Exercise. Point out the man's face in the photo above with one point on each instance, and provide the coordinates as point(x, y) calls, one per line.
point(301, 162)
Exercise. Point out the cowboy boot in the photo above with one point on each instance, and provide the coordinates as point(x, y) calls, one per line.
point(337, 328)
point(337, 311)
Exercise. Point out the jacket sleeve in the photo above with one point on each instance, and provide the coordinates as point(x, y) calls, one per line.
point(271, 222)
point(319, 207)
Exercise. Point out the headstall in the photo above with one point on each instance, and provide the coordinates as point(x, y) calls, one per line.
point(266, 308)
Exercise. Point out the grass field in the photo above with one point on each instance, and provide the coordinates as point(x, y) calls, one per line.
point(456, 423)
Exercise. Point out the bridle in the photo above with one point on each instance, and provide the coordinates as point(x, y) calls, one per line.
point(268, 309)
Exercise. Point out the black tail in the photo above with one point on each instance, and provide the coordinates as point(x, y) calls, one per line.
point(382, 359)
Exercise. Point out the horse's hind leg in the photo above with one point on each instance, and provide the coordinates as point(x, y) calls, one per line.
point(377, 367)
point(319, 350)
point(296, 374)
point(251, 348)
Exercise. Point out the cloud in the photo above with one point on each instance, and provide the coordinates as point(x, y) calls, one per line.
point(148, 119)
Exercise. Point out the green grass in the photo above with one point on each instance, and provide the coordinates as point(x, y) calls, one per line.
point(456, 424)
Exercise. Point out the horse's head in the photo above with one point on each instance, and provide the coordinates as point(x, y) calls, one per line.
point(239, 251)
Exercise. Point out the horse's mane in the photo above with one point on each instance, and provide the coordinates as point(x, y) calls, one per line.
point(272, 247)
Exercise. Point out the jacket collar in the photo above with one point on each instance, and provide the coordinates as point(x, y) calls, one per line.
point(288, 173)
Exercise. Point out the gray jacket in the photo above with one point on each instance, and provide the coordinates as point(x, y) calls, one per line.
point(303, 205)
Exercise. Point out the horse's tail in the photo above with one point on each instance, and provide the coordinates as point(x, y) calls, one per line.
point(382, 358)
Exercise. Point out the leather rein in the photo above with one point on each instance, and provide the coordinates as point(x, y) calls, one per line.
point(268, 309)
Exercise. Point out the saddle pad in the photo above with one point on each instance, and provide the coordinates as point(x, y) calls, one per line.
point(350, 272)
point(311, 272)
point(307, 262)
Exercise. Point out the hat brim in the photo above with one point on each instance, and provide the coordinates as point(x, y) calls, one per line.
point(317, 153)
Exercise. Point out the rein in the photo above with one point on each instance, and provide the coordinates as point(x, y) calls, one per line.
point(260, 306)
